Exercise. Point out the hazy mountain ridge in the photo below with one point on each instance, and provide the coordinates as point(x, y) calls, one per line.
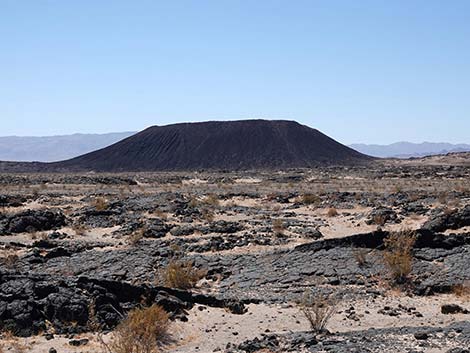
point(212, 145)
point(409, 149)
point(54, 148)
point(63, 147)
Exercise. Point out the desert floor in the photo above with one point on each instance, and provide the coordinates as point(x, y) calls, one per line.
point(79, 251)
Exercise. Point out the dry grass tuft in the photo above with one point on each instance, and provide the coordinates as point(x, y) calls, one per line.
point(176, 249)
point(379, 219)
point(360, 255)
point(332, 212)
point(462, 290)
point(160, 214)
point(143, 331)
point(310, 199)
point(135, 238)
point(278, 227)
point(208, 215)
point(442, 198)
point(193, 202)
point(180, 274)
point(100, 204)
point(211, 200)
point(398, 256)
point(10, 260)
point(80, 229)
point(318, 309)
point(11, 343)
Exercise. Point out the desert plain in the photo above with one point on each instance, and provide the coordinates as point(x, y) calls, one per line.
point(79, 251)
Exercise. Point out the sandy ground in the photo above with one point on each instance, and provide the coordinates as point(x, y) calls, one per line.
point(210, 329)
point(207, 327)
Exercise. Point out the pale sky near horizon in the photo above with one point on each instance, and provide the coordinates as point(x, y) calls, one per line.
point(372, 71)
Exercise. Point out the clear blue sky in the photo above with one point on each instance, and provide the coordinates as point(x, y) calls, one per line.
point(360, 71)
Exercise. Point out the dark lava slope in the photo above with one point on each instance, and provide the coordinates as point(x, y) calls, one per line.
point(221, 145)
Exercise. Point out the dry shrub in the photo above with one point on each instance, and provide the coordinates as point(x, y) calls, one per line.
point(161, 214)
point(413, 196)
point(462, 290)
point(318, 309)
point(143, 331)
point(11, 343)
point(38, 235)
point(134, 238)
point(453, 203)
point(211, 200)
point(10, 260)
point(442, 198)
point(36, 193)
point(231, 204)
point(278, 227)
point(208, 215)
point(379, 219)
point(180, 274)
point(310, 199)
point(193, 202)
point(397, 189)
point(176, 249)
point(398, 256)
point(272, 196)
point(360, 254)
point(332, 212)
point(122, 193)
point(100, 204)
point(93, 322)
point(462, 188)
point(80, 229)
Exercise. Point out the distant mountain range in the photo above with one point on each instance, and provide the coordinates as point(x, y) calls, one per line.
point(63, 147)
point(211, 145)
point(55, 148)
point(409, 149)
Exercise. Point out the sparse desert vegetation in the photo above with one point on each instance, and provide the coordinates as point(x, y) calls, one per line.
point(144, 330)
point(180, 274)
point(332, 212)
point(100, 204)
point(318, 309)
point(236, 250)
point(360, 254)
point(234, 176)
point(398, 254)
point(310, 199)
point(278, 226)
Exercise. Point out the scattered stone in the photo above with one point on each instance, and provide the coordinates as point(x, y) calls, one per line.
point(79, 342)
point(421, 336)
point(453, 309)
